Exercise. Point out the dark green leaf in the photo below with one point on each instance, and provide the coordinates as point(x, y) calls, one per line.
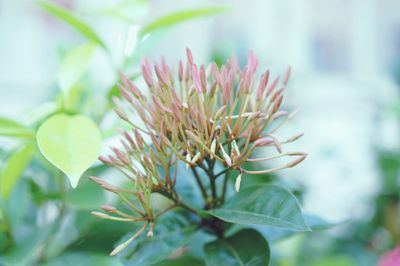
point(180, 16)
point(69, 18)
point(172, 232)
point(247, 247)
point(13, 170)
point(13, 129)
point(83, 258)
point(182, 261)
point(265, 205)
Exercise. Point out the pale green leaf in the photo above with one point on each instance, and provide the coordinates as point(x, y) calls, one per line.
point(245, 248)
point(13, 169)
point(13, 129)
point(71, 142)
point(264, 205)
point(73, 21)
point(180, 16)
point(74, 65)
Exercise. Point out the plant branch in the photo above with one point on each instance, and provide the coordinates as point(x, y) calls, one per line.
point(200, 184)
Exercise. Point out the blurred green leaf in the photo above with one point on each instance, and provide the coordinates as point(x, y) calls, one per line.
point(247, 247)
point(13, 169)
point(87, 196)
point(182, 261)
point(180, 16)
point(71, 142)
point(69, 18)
point(265, 205)
point(83, 258)
point(338, 260)
point(74, 65)
point(28, 246)
point(11, 128)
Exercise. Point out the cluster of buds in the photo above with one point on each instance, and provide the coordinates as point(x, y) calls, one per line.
point(207, 115)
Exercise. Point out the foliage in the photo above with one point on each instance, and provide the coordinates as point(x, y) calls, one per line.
point(44, 221)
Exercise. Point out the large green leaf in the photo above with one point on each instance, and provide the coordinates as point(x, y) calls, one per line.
point(172, 232)
point(13, 129)
point(13, 169)
point(245, 248)
point(70, 142)
point(74, 65)
point(69, 18)
point(266, 205)
point(180, 16)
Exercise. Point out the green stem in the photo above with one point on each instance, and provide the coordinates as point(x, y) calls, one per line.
point(226, 178)
point(200, 184)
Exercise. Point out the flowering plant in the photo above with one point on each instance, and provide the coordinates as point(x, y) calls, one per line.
point(210, 120)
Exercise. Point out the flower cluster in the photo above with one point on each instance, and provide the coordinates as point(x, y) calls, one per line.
point(205, 116)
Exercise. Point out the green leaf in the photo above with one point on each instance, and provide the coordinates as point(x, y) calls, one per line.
point(247, 247)
point(74, 65)
point(71, 142)
point(13, 170)
point(13, 129)
point(180, 16)
point(73, 21)
point(265, 205)
point(83, 258)
point(87, 196)
point(171, 233)
point(182, 261)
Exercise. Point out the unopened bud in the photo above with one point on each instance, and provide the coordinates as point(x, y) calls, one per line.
point(237, 182)
point(226, 156)
point(188, 158)
point(196, 157)
point(212, 148)
point(109, 209)
point(296, 162)
point(100, 215)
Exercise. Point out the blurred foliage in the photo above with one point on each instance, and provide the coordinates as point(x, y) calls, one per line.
point(42, 220)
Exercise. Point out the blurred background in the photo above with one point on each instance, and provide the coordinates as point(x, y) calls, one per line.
point(345, 58)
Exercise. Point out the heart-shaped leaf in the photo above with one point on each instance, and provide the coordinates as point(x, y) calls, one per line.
point(71, 142)
point(246, 247)
point(265, 205)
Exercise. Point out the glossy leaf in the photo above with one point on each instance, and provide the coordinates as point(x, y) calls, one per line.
point(13, 129)
point(74, 65)
point(73, 21)
point(245, 248)
point(171, 233)
point(71, 142)
point(13, 169)
point(265, 205)
point(180, 16)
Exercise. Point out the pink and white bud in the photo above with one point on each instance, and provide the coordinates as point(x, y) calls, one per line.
point(287, 75)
